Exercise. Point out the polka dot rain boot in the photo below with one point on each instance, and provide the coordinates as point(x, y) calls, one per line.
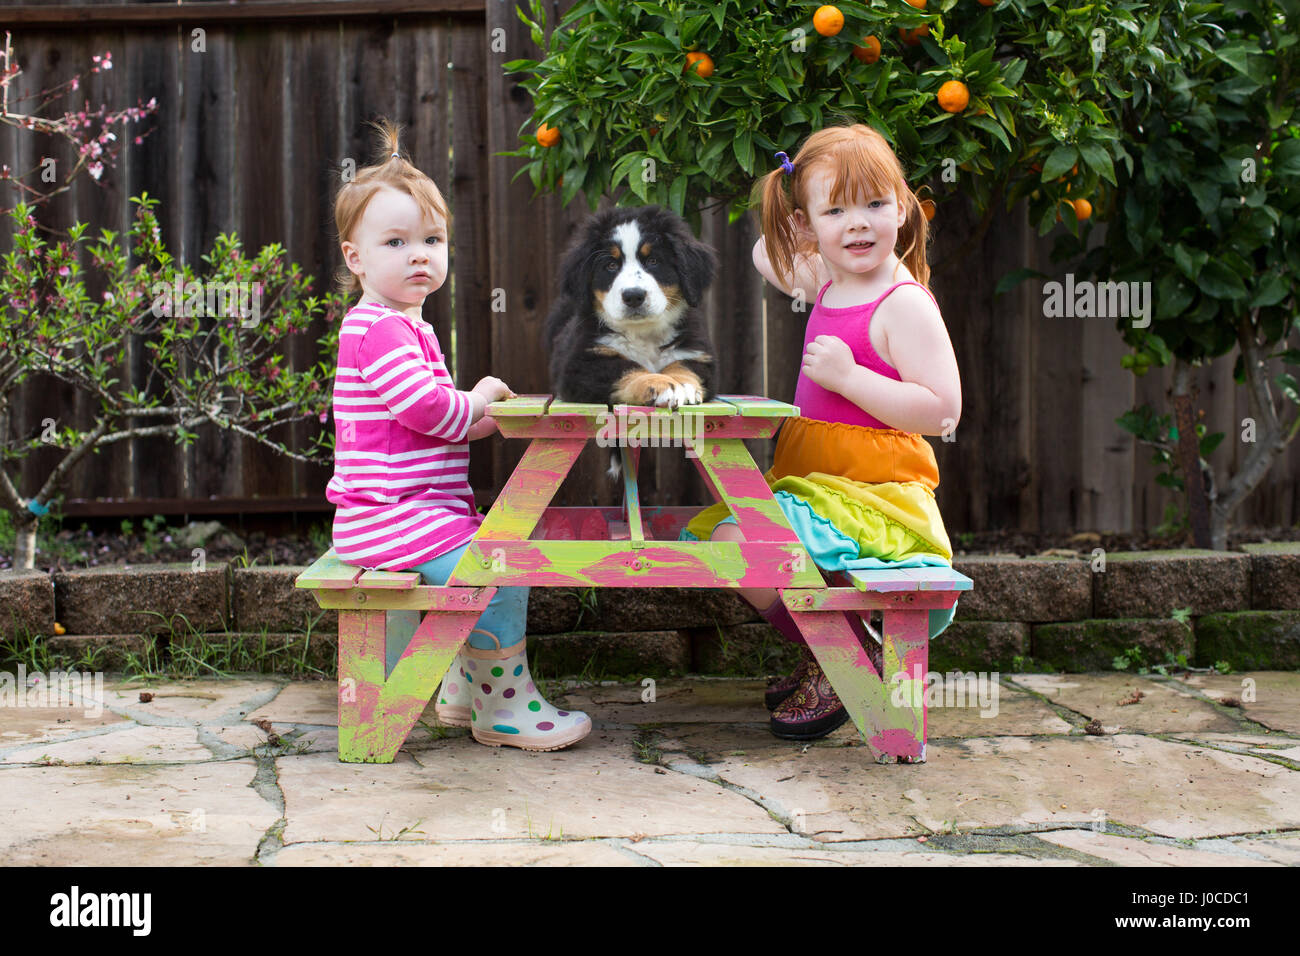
point(508, 709)
point(454, 696)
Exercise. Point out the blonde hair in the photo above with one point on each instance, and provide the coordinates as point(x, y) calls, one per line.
point(389, 170)
point(860, 159)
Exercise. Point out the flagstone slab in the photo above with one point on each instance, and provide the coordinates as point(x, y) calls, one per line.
point(1012, 713)
point(408, 853)
point(133, 744)
point(315, 703)
point(675, 702)
point(1282, 847)
point(1277, 695)
point(1261, 745)
point(715, 854)
point(1169, 788)
point(132, 815)
point(1164, 707)
point(193, 702)
point(1132, 851)
point(460, 789)
point(22, 725)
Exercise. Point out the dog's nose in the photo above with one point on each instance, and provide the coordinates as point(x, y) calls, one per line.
point(633, 297)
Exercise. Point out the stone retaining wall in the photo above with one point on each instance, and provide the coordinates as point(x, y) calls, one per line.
point(1242, 607)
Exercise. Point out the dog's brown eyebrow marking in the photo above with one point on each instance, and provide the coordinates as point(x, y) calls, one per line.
point(616, 252)
point(645, 249)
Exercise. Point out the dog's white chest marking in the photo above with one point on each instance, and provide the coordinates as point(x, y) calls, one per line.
point(647, 353)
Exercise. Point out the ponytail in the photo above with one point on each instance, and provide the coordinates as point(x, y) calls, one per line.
point(913, 237)
point(780, 237)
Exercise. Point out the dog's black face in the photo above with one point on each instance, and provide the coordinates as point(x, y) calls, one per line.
point(625, 327)
point(641, 268)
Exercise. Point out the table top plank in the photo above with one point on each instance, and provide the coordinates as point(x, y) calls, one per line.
point(757, 406)
point(329, 573)
point(910, 579)
point(520, 405)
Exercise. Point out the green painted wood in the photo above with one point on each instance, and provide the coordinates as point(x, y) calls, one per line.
point(329, 573)
point(887, 731)
point(422, 598)
point(631, 498)
point(756, 406)
point(910, 579)
point(529, 490)
point(376, 713)
point(690, 564)
point(519, 405)
point(846, 598)
point(395, 580)
point(588, 409)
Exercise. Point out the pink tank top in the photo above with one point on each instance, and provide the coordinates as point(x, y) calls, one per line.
point(853, 325)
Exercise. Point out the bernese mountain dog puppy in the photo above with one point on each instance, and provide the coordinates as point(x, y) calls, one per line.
point(626, 326)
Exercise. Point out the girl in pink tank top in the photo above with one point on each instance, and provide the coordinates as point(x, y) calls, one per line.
point(853, 473)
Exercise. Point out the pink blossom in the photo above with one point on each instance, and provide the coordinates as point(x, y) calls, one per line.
point(138, 140)
point(95, 169)
point(324, 416)
point(64, 270)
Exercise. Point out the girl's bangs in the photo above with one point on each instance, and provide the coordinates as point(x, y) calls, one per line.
point(859, 167)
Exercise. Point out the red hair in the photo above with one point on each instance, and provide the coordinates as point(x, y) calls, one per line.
point(863, 166)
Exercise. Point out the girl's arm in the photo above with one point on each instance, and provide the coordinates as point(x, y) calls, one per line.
point(808, 272)
point(928, 399)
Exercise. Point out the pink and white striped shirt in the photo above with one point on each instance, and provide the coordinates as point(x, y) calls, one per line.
point(401, 459)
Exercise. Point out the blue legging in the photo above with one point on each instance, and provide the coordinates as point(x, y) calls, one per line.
point(505, 616)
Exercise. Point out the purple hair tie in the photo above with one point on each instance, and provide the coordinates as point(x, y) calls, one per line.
point(786, 166)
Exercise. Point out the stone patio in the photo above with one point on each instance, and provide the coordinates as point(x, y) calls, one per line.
point(245, 772)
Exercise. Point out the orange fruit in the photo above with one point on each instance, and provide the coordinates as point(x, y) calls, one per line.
point(919, 4)
point(869, 52)
point(953, 96)
point(1082, 209)
point(828, 20)
point(547, 135)
point(59, 628)
point(913, 37)
point(927, 208)
point(701, 63)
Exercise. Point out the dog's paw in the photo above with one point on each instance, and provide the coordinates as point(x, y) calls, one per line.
point(680, 393)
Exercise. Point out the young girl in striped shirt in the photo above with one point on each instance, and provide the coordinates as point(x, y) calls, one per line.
point(401, 461)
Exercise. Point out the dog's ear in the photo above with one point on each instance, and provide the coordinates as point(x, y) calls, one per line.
point(696, 264)
point(575, 269)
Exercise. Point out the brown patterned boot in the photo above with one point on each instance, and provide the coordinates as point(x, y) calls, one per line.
point(812, 711)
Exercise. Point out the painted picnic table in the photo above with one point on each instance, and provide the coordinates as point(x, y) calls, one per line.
point(523, 540)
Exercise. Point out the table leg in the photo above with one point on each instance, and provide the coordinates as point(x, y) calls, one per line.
point(377, 714)
point(907, 657)
point(888, 731)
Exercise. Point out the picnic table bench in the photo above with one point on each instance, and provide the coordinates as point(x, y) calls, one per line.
point(524, 540)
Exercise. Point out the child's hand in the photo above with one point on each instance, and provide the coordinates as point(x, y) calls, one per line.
point(493, 389)
point(828, 361)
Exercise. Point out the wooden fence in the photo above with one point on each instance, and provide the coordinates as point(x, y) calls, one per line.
point(251, 128)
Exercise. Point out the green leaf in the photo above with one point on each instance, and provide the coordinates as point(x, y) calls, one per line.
point(1014, 278)
point(1218, 280)
point(1286, 158)
point(1271, 290)
point(777, 85)
point(743, 147)
point(677, 193)
point(1097, 158)
point(1058, 163)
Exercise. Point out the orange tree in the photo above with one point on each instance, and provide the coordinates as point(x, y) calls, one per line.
point(1042, 79)
point(1209, 215)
